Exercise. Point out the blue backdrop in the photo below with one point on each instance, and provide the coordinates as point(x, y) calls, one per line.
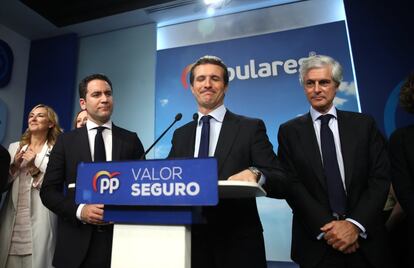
point(264, 84)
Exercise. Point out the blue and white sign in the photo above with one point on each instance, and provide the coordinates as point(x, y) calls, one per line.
point(184, 182)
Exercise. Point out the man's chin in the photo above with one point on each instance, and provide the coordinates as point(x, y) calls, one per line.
point(102, 119)
point(320, 103)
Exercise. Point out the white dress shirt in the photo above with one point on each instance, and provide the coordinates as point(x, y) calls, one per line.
point(333, 125)
point(107, 137)
point(215, 127)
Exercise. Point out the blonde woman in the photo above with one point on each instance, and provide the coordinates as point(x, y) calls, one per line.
point(27, 228)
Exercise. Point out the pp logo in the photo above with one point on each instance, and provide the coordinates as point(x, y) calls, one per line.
point(107, 182)
point(184, 74)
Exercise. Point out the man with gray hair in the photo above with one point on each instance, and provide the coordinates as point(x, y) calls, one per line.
point(339, 177)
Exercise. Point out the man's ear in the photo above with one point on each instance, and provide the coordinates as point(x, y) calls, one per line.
point(337, 86)
point(82, 103)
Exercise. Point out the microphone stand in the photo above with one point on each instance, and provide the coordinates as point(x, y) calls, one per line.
point(176, 119)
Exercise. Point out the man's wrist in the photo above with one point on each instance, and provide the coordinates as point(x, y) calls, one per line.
point(256, 172)
point(359, 227)
point(79, 211)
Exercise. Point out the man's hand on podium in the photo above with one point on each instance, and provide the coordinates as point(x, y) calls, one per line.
point(93, 214)
point(245, 175)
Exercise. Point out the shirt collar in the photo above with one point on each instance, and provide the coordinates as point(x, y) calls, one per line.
point(217, 114)
point(92, 125)
point(315, 114)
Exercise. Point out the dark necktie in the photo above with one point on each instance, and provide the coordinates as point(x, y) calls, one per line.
point(205, 136)
point(336, 192)
point(99, 152)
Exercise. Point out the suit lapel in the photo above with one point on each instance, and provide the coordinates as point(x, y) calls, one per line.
point(191, 133)
point(116, 143)
point(227, 136)
point(83, 142)
point(307, 137)
point(346, 137)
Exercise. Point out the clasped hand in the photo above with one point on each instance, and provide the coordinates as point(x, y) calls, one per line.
point(27, 155)
point(341, 235)
point(30, 157)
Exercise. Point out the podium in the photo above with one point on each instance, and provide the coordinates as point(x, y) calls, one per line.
point(153, 203)
point(240, 189)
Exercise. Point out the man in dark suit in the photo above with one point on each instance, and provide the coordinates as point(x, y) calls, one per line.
point(4, 168)
point(339, 177)
point(232, 235)
point(84, 239)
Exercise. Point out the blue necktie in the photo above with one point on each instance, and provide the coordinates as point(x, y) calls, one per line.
point(205, 136)
point(99, 150)
point(336, 192)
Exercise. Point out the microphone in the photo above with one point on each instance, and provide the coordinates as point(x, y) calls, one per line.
point(195, 116)
point(176, 119)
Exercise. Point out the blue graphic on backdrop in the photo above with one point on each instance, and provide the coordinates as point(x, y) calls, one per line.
point(395, 116)
point(264, 72)
point(6, 63)
point(263, 84)
point(390, 109)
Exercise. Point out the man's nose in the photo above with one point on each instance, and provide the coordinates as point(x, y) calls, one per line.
point(317, 87)
point(207, 82)
point(104, 98)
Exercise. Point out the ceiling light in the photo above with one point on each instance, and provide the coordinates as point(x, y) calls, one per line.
point(212, 2)
point(211, 11)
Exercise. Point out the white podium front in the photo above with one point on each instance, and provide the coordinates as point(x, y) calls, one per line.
point(151, 246)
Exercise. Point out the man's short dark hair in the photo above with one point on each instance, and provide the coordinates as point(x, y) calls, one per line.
point(210, 60)
point(83, 85)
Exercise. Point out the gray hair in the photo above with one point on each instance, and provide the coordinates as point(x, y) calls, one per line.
point(321, 61)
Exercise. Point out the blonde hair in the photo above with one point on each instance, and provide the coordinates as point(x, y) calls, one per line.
point(52, 133)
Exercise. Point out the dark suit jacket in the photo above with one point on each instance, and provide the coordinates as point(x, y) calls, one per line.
point(242, 143)
point(70, 149)
point(401, 149)
point(366, 178)
point(4, 168)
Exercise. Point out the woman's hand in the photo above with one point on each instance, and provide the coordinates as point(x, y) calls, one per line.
point(30, 157)
point(18, 158)
point(17, 161)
